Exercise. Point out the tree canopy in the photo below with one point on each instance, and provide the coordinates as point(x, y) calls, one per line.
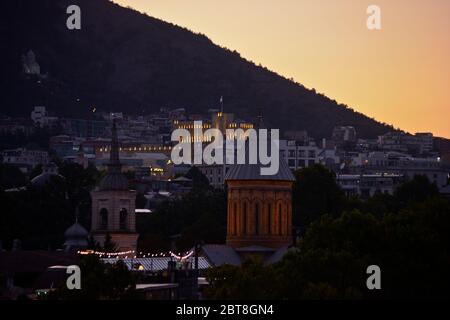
point(407, 235)
point(100, 281)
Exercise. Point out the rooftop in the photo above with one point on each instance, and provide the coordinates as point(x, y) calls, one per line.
point(253, 172)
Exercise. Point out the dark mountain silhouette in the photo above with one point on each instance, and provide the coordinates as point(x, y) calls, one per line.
point(122, 60)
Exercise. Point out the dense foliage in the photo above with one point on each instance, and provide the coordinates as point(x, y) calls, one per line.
point(198, 217)
point(38, 216)
point(315, 192)
point(100, 281)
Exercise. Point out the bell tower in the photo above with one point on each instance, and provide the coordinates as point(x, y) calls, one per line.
point(113, 204)
point(259, 207)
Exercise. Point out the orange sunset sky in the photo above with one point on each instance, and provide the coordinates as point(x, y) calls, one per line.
point(399, 75)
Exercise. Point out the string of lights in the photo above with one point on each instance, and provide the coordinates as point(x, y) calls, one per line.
point(101, 253)
point(179, 257)
point(135, 255)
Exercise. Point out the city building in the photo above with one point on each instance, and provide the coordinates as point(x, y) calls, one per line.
point(16, 126)
point(215, 174)
point(403, 164)
point(64, 145)
point(219, 120)
point(30, 65)
point(24, 159)
point(38, 115)
point(298, 155)
point(41, 118)
point(83, 128)
point(155, 160)
point(420, 143)
point(300, 135)
point(259, 216)
point(259, 207)
point(344, 135)
point(367, 185)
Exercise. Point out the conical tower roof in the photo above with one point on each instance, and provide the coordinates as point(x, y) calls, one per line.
point(76, 235)
point(253, 172)
point(114, 179)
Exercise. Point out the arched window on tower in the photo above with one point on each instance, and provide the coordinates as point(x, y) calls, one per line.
point(269, 218)
point(123, 219)
point(104, 219)
point(279, 218)
point(244, 218)
point(256, 218)
point(234, 220)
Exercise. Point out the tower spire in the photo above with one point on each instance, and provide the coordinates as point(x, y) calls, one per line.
point(114, 162)
point(77, 214)
point(260, 119)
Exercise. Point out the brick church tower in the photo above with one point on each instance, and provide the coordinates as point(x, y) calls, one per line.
point(259, 207)
point(113, 204)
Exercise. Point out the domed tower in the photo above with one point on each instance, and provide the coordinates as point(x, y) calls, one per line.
point(76, 236)
point(113, 204)
point(49, 174)
point(259, 207)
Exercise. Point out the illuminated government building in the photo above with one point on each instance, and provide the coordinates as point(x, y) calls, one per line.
point(222, 121)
